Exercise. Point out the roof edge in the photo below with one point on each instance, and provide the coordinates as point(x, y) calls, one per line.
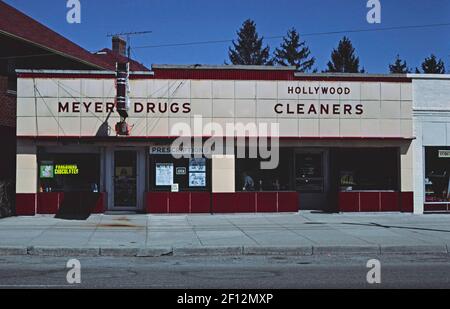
point(365, 75)
point(429, 76)
point(57, 52)
point(84, 72)
point(222, 67)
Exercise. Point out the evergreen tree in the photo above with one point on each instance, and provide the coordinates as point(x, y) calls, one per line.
point(432, 66)
point(293, 52)
point(399, 67)
point(343, 59)
point(248, 49)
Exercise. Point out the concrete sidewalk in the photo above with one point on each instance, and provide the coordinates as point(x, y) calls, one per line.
point(304, 233)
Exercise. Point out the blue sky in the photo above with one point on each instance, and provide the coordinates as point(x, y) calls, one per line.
point(178, 21)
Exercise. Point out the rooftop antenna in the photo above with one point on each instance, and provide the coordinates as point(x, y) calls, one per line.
point(128, 36)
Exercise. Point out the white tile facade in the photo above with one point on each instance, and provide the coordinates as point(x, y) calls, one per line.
point(431, 122)
point(301, 108)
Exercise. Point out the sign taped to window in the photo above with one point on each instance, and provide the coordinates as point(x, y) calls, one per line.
point(164, 174)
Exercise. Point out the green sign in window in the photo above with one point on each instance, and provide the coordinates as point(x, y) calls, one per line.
point(47, 170)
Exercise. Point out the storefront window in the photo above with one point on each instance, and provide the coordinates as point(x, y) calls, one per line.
point(437, 174)
point(186, 174)
point(374, 169)
point(69, 173)
point(250, 176)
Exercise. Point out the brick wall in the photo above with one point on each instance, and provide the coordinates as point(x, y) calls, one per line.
point(7, 105)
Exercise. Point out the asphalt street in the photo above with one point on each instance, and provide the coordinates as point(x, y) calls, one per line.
point(250, 272)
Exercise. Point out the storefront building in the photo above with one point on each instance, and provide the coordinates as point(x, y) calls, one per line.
point(432, 145)
point(345, 141)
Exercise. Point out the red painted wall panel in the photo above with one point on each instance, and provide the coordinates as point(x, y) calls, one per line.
point(246, 202)
point(48, 203)
point(407, 202)
point(369, 201)
point(224, 203)
point(436, 207)
point(390, 201)
point(200, 202)
point(179, 202)
point(26, 204)
point(100, 207)
point(288, 202)
point(157, 202)
point(348, 201)
point(266, 202)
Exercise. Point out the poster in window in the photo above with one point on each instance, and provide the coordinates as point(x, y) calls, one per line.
point(197, 165)
point(164, 174)
point(47, 170)
point(197, 179)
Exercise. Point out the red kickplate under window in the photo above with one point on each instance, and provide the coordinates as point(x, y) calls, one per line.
point(369, 201)
point(179, 203)
point(157, 202)
point(288, 202)
point(390, 201)
point(48, 203)
point(200, 202)
point(407, 202)
point(246, 202)
point(349, 201)
point(267, 202)
point(225, 203)
point(26, 204)
point(436, 207)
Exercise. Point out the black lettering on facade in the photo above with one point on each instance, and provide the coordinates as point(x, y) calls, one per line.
point(98, 107)
point(63, 108)
point(359, 109)
point(186, 108)
point(76, 107)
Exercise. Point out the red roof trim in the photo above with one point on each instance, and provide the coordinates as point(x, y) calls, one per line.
point(80, 75)
point(355, 79)
point(223, 75)
point(65, 75)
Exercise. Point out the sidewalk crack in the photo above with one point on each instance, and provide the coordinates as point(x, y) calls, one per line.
point(242, 231)
point(195, 232)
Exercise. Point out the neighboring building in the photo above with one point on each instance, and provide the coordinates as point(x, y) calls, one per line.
point(27, 44)
point(345, 141)
point(431, 95)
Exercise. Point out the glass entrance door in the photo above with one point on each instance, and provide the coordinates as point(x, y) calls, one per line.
point(125, 179)
point(311, 179)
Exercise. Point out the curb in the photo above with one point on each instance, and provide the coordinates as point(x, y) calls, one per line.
point(287, 251)
point(330, 250)
point(154, 252)
point(430, 249)
point(220, 251)
point(6, 251)
point(205, 251)
point(61, 252)
point(119, 251)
